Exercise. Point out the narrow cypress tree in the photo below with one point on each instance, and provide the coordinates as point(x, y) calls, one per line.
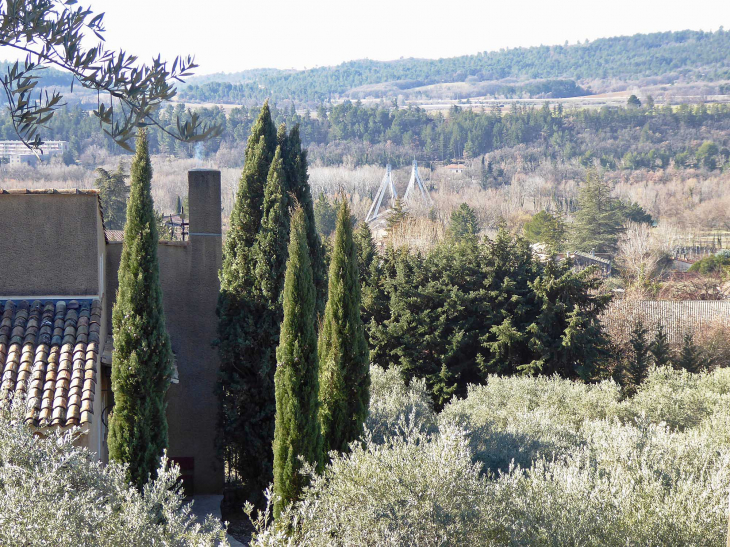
point(246, 379)
point(297, 430)
point(246, 214)
point(344, 374)
point(271, 241)
point(295, 169)
point(660, 350)
point(142, 358)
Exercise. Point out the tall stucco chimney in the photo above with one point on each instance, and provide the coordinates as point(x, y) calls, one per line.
point(204, 201)
point(190, 304)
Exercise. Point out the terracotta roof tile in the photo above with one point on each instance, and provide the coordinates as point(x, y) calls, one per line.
point(49, 353)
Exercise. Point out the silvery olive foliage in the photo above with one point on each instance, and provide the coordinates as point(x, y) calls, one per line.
point(393, 402)
point(653, 469)
point(516, 419)
point(55, 493)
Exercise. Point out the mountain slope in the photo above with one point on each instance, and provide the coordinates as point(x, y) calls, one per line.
point(682, 55)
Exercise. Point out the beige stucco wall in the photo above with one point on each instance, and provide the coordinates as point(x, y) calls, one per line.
point(52, 233)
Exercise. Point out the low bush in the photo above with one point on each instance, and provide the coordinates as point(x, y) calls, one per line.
point(393, 402)
point(54, 493)
point(529, 461)
point(520, 418)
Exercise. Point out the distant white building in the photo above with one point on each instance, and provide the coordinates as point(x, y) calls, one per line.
point(18, 159)
point(16, 152)
point(455, 168)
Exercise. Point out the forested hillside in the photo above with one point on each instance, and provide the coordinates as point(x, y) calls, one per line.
point(685, 55)
point(645, 137)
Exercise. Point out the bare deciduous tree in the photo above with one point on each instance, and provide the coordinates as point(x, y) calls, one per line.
point(639, 255)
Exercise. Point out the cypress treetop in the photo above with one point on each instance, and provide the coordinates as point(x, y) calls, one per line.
point(295, 169)
point(246, 213)
point(142, 358)
point(272, 239)
point(344, 373)
point(297, 431)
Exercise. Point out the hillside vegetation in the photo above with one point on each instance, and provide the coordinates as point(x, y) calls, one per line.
point(687, 55)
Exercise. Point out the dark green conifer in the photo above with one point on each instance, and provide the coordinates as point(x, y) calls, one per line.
point(598, 220)
point(245, 342)
point(325, 216)
point(365, 249)
point(464, 225)
point(271, 241)
point(142, 358)
point(372, 296)
point(689, 357)
point(295, 170)
point(344, 373)
point(637, 364)
point(246, 213)
point(297, 431)
point(660, 350)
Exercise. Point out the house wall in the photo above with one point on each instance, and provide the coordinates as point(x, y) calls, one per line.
point(95, 437)
point(51, 234)
point(189, 279)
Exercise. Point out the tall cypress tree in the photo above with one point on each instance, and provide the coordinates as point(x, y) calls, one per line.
point(297, 386)
point(142, 358)
point(272, 239)
point(246, 379)
point(344, 374)
point(246, 214)
point(295, 169)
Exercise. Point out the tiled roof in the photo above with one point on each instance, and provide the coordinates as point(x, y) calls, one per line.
point(69, 191)
point(48, 351)
point(114, 235)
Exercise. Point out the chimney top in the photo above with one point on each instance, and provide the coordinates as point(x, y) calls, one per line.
point(204, 202)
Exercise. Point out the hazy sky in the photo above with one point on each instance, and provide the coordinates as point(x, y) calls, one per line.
point(233, 35)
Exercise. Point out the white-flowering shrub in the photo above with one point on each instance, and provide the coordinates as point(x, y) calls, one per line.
point(392, 402)
point(53, 493)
